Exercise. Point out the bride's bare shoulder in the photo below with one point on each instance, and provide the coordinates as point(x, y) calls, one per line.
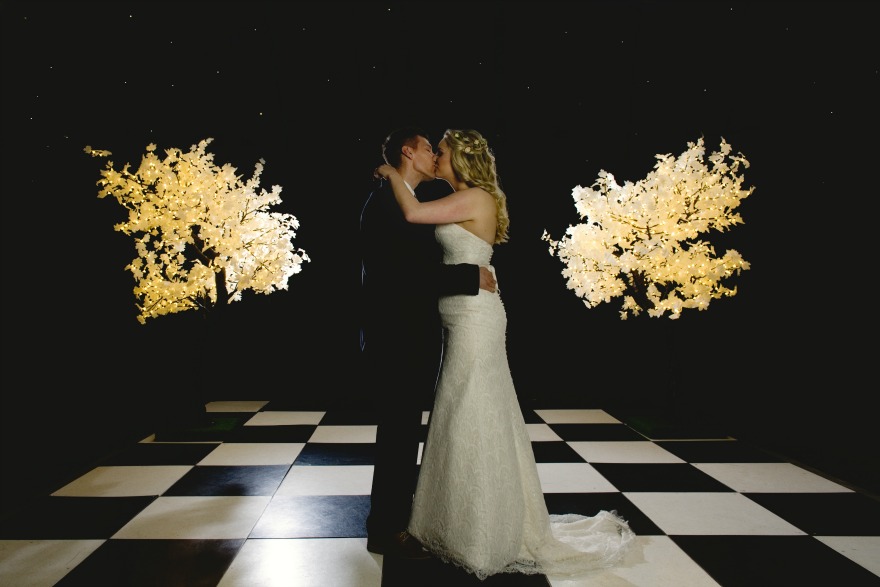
point(476, 193)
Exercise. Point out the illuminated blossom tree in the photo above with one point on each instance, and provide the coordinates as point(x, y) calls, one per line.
point(203, 235)
point(640, 240)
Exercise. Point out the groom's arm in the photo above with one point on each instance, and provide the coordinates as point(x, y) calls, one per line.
point(464, 279)
point(458, 279)
point(390, 228)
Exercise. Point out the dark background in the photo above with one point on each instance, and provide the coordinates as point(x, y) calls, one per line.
point(561, 90)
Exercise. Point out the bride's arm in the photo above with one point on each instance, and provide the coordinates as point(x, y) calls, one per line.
point(456, 207)
point(456, 279)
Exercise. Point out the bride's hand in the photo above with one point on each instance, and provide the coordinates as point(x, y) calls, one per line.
point(384, 171)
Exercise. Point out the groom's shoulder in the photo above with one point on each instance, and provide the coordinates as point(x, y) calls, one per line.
point(433, 190)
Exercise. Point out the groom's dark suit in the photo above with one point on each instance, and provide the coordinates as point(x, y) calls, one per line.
point(401, 341)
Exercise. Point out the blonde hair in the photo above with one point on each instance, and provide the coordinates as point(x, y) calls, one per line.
point(474, 164)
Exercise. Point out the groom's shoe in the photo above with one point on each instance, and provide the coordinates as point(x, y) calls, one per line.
point(400, 544)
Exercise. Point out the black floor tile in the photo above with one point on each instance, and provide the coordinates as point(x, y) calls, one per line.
point(336, 453)
point(824, 514)
point(555, 452)
point(769, 561)
point(210, 428)
point(57, 517)
point(165, 563)
point(230, 480)
point(435, 573)
point(349, 418)
point(296, 403)
point(285, 433)
point(659, 427)
point(658, 477)
point(718, 451)
point(589, 504)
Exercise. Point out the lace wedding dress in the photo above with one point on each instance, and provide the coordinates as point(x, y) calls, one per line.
point(479, 503)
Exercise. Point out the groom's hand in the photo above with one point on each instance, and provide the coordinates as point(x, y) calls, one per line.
point(487, 279)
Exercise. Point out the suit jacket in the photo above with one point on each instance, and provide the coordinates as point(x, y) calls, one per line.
point(402, 277)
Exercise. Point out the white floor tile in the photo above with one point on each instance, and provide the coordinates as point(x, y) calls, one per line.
point(541, 433)
point(709, 514)
point(572, 478)
point(577, 417)
point(316, 562)
point(254, 453)
point(770, 478)
point(235, 406)
point(284, 418)
point(196, 517)
point(863, 550)
point(327, 480)
point(358, 434)
point(41, 563)
point(627, 451)
point(125, 481)
point(653, 561)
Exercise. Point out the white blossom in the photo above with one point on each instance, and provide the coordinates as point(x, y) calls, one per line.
point(202, 234)
point(641, 240)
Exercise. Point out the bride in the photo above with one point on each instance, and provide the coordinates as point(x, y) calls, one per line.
point(479, 503)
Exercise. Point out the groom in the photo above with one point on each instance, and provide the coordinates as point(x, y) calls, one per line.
point(402, 276)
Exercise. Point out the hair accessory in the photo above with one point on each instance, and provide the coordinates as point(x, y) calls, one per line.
point(471, 146)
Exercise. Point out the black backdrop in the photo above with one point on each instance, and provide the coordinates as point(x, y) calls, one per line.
point(562, 90)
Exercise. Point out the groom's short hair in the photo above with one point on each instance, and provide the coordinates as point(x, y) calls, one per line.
point(392, 148)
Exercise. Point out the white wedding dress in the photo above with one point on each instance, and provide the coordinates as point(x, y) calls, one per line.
point(479, 503)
